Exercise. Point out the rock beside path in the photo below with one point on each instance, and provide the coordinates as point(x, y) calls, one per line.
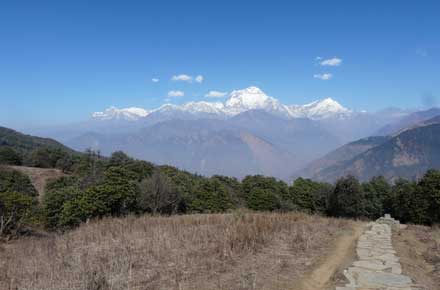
point(378, 266)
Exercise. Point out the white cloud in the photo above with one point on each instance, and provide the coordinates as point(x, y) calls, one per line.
point(318, 58)
point(187, 78)
point(182, 77)
point(172, 94)
point(331, 62)
point(324, 77)
point(215, 94)
point(155, 80)
point(199, 78)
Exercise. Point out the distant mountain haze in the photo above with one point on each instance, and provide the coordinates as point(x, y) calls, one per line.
point(249, 133)
point(407, 153)
point(407, 121)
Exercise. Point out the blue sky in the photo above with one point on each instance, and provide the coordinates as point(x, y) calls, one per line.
point(62, 60)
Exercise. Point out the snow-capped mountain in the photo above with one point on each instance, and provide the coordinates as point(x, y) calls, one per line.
point(239, 101)
point(317, 110)
point(253, 98)
point(129, 114)
point(249, 133)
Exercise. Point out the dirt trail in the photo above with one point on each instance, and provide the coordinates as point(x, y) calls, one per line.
point(343, 253)
point(39, 176)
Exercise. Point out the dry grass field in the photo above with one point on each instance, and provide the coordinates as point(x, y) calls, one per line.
point(234, 251)
point(419, 250)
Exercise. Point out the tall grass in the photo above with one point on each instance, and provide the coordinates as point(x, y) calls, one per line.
point(218, 251)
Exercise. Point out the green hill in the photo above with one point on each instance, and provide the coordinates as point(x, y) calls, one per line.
point(21, 149)
point(341, 155)
point(26, 143)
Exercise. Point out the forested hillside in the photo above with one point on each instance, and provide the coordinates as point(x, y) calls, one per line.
point(20, 149)
point(408, 154)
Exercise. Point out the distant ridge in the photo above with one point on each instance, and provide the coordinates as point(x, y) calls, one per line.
point(408, 121)
point(26, 143)
point(407, 154)
point(239, 101)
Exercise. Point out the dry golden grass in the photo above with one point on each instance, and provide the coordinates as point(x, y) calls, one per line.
point(220, 251)
point(419, 250)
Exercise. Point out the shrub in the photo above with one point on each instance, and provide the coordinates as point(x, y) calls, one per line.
point(62, 182)
point(347, 198)
point(158, 194)
point(117, 195)
point(404, 205)
point(15, 181)
point(310, 196)
point(46, 157)
point(210, 196)
point(263, 199)
point(9, 156)
point(428, 197)
point(16, 211)
point(233, 186)
point(377, 196)
point(273, 188)
point(53, 203)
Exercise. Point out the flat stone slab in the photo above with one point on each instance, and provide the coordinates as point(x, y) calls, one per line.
point(381, 279)
point(378, 266)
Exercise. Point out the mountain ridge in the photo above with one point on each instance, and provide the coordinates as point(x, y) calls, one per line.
point(408, 154)
point(239, 101)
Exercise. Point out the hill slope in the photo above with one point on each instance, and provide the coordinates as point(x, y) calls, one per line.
point(209, 147)
point(20, 149)
point(408, 121)
point(26, 143)
point(408, 155)
point(341, 155)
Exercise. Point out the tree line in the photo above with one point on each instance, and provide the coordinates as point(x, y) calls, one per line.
point(120, 185)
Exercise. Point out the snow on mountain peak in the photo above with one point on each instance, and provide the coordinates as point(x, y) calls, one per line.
point(324, 109)
point(250, 98)
point(130, 114)
point(203, 107)
point(239, 101)
point(253, 98)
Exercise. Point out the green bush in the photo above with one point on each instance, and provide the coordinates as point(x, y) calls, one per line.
point(16, 212)
point(62, 182)
point(263, 200)
point(54, 201)
point(271, 186)
point(9, 156)
point(404, 205)
point(427, 197)
point(347, 199)
point(210, 196)
point(377, 197)
point(116, 196)
point(15, 181)
point(310, 196)
point(234, 189)
point(46, 157)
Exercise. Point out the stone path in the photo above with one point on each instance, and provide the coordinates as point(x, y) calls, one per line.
point(377, 266)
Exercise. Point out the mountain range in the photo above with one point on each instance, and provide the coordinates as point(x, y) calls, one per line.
point(239, 101)
point(249, 133)
point(406, 152)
